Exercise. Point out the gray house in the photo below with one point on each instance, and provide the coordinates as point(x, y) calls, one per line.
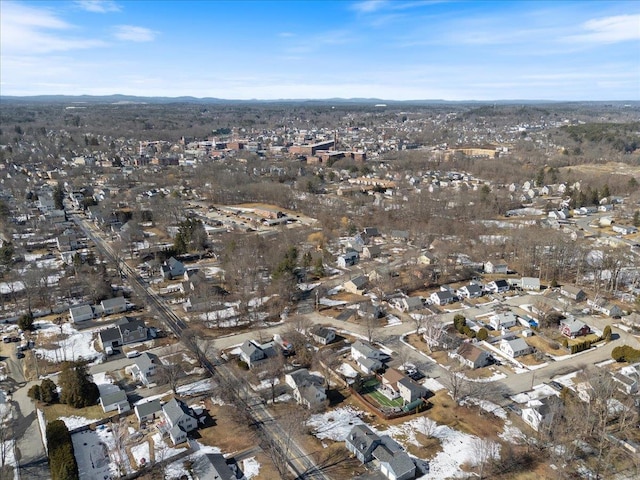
point(393, 461)
point(323, 335)
point(127, 330)
point(180, 418)
point(251, 352)
point(214, 466)
point(172, 268)
point(81, 313)
point(115, 401)
point(147, 411)
point(114, 305)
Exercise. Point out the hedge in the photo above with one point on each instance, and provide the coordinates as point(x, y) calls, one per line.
point(62, 460)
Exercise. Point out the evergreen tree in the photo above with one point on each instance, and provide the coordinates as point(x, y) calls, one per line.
point(636, 218)
point(25, 322)
point(58, 196)
point(77, 388)
point(48, 391)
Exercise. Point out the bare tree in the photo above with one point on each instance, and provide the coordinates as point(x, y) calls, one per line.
point(271, 369)
point(433, 330)
point(484, 451)
point(171, 374)
point(120, 438)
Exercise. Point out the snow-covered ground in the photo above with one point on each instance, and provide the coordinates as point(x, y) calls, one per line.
point(96, 455)
point(393, 320)
point(335, 424)
point(162, 450)
point(250, 468)
point(141, 453)
point(76, 421)
point(194, 388)
point(73, 345)
point(347, 370)
point(265, 384)
point(176, 469)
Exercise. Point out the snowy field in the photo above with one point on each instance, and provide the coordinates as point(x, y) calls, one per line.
point(74, 344)
point(96, 455)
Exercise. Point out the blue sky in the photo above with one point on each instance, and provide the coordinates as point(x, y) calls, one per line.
point(400, 49)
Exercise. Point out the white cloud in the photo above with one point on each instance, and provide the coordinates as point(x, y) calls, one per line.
point(619, 28)
point(368, 6)
point(31, 30)
point(98, 6)
point(134, 34)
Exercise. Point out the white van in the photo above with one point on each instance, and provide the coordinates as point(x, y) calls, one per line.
point(133, 354)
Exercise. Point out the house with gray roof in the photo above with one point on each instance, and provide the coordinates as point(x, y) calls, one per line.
point(180, 418)
point(368, 359)
point(172, 268)
point(252, 353)
point(308, 389)
point(515, 348)
point(144, 367)
point(357, 284)
point(323, 335)
point(115, 401)
point(114, 305)
point(81, 313)
point(148, 411)
point(126, 330)
point(214, 466)
point(393, 461)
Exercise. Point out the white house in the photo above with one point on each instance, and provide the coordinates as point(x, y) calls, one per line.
point(498, 286)
point(495, 267)
point(115, 401)
point(515, 348)
point(369, 359)
point(530, 283)
point(624, 229)
point(357, 285)
point(541, 412)
point(502, 320)
point(348, 259)
point(308, 389)
point(114, 305)
point(470, 291)
point(81, 313)
point(442, 297)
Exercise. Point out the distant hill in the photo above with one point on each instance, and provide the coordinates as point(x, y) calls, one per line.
point(132, 99)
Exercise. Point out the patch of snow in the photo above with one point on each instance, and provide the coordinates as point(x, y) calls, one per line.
point(392, 320)
point(335, 290)
point(347, 370)
point(488, 406)
point(264, 384)
point(335, 424)
point(306, 287)
point(331, 303)
point(162, 450)
point(141, 453)
point(250, 467)
point(196, 387)
point(432, 385)
point(75, 421)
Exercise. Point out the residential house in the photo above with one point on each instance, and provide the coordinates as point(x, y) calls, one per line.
point(574, 328)
point(542, 412)
point(144, 367)
point(393, 461)
point(496, 267)
point(67, 242)
point(410, 304)
point(81, 313)
point(114, 305)
point(213, 466)
point(115, 401)
point(251, 352)
point(606, 308)
point(632, 320)
point(573, 292)
point(472, 356)
point(497, 286)
point(369, 359)
point(172, 268)
point(127, 330)
point(515, 348)
point(348, 259)
point(308, 389)
point(148, 411)
point(472, 290)
point(502, 320)
point(624, 229)
point(401, 235)
point(530, 283)
point(371, 232)
point(426, 258)
point(323, 335)
point(442, 297)
point(410, 390)
point(371, 251)
point(357, 285)
point(181, 420)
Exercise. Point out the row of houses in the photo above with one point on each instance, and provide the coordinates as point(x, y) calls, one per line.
point(82, 313)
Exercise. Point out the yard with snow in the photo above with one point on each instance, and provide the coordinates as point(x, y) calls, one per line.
point(64, 343)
